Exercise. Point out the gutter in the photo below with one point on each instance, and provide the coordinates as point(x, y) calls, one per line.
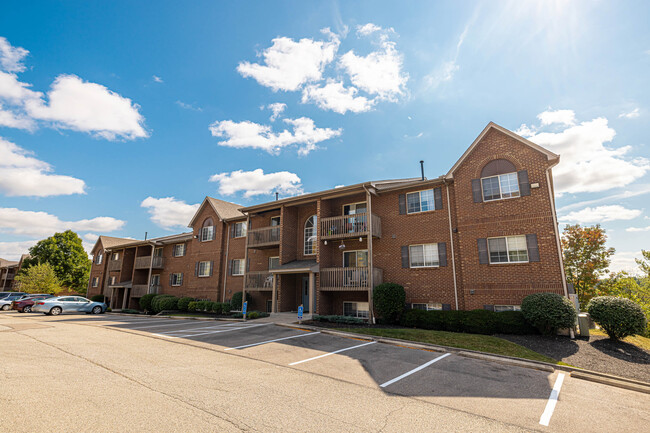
point(555, 227)
point(451, 241)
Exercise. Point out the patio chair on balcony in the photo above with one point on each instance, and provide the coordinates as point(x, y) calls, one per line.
point(268, 282)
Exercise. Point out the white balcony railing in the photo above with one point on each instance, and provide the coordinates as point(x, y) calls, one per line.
point(344, 279)
point(349, 226)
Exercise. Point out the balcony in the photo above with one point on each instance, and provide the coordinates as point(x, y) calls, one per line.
point(139, 290)
point(348, 279)
point(114, 265)
point(349, 226)
point(258, 281)
point(144, 261)
point(267, 237)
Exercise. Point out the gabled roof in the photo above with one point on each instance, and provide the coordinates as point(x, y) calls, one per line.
point(549, 155)
point(110, 242)
point(7, 263)
point(224, 209)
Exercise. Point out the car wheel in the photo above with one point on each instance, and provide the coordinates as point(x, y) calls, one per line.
point(5, 307)
point(97, 310)
point(27, 309)
point(56, 311)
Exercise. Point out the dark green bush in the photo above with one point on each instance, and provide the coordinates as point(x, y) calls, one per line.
point(236, 301)
point(164, 303)
point(203, 306)
point(473, 322)
point(191, 306)
point(513, 322)
point(98, 298)
point(184, 302)
point(549, 312)
point(225, 308)
point(253, 315)
point(145, 302)
point(619, 317)
point(388, 302)
point(346, 320)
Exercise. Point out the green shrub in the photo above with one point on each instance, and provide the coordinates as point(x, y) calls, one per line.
point(145, 302)
point(203, 306)
point(130, 311)
point(346, 320)
point(191, 306)
point(473, 322)
point(388, 302)
point(98, 298)
point(619, 317)
point(184, 302)
point(252, 315)
point(164, 303)
point(225, 308)
point(513, 322)
point(236, 300)
point(549, 312)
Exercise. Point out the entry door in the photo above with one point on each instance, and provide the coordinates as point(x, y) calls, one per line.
point(305, 294)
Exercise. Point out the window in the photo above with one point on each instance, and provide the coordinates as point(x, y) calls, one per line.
point(177, 279)
point(356, 309)
point(355, 208)
point(112, 280)
point(207, 230)
point(500, 187)
point(427, 307)
point(116, 256)
point(158, 252)
point(274, 262)
point(155, 280)
point(179, 250)
point(99, 258)
point(238, 267)
point(95, 281)
point(500, 308)
point(310, 236)
point(509, 249)
point(355, 259)
point(423, 256)
point(239, 230)
point(275, 221)
point(420, 201)
point(205, 269)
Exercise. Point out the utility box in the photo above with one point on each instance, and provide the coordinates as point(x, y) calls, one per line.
point(583, 324)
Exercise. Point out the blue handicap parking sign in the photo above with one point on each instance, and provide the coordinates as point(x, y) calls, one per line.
point(244, 308)
point(300, 309)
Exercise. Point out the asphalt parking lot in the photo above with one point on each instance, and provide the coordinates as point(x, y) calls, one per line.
point(468, 391)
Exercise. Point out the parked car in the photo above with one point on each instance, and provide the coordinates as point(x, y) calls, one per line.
point(25, 303)
point(68, 304)
point(8, 298)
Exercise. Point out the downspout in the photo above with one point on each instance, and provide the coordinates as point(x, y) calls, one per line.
point(243, 290)
point(153, 248)
point(556, 228)
point(451, 241)
point(371, 287)
point(225, 274)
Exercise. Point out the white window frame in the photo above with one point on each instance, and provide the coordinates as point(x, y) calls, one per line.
point(358, 310)
point(314, 244)
point(155, 277)
point(355, 207)
point(100, 258)
point(271, 258)
point(95, 282)
point(435, 306)
point(241, 267)
point(356, 257)
point(158, 252)
point(116, 256)
point(203, 266)
point(177, 279)
point(507, 250)
point(502, 308)
point(242, 232)
point(275, 218)
point(423, 255)
point(183, 246)
point(207, 233)
point(501, 197)
point(111, 280)
point(419, 193)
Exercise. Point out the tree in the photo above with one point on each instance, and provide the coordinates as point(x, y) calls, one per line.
point(623, 285)
point(586, 258)
point(66, 254)
point(39, 278)
point(644, 263)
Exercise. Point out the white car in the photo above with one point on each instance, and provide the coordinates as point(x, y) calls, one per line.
point(5, 302)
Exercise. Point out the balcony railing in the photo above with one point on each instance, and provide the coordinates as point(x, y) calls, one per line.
point(154, 289)
point(258, 281)
point(345, 279)
point(114, 265)
point(349, 226)
point(264, 237)
point(144, 261)
point(139, 290)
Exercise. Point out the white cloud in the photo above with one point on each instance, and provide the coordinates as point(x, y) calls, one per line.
point(24, 175)
point(42, 224)
point(624, 261)
point(631, 115)
point(443, 74)
point(13, 120)
point(248, 134)
point(586, 164)
point(289, 64)
point(334, 96)
point(188, 106)
point(276, 108)
point(91, 237)
point(638, 229)
point(168, 212)
point(367, 29)
point(11, 58)
point(601, 213)
point(16, 92)
point(157, 79)
point(634, 191)
point(13, 250)
point(257, 183)
point(563, 117)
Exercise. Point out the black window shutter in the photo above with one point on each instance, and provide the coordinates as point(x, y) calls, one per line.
point(211, 266)
point(405, 256)
point(488, 307)
point(229, 267)
point(482, 251)
point(402, 204)
point(442, 253)
point(476, 191)
point(196, 269)
point(533, 249)
point(524, 184)
point(446, 307)
point(437, 198)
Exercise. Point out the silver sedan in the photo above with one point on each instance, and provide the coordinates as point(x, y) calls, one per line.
point(68, 304)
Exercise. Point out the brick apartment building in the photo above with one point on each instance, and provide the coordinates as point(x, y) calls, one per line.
point(484, 235)
point(8, 271)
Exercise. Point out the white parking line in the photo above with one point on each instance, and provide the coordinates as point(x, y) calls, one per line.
point(272, 341)
point(210, 332)
point(331, 353)
point(552, 401)
point(176, 331)
point(415, 370)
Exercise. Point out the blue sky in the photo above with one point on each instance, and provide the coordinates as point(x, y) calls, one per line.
point(118, 118)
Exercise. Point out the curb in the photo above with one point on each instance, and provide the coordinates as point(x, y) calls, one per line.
point(578, 373)
point(216, 319)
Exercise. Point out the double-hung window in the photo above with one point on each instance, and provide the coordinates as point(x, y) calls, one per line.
point(500, 186)
point(508, 249)
point(500, 308)
point(207, 233)
point(239, 231)
point(274, 262)
point(426, 307)
point(205, 269)
point(112, 280)
point(95, 281)
point(99, 258)
point(155, 280)
point(116, 256)
point(356, 309)
point(177, 278)
point(424, 256)
point(420, 201)
point(238, 267)
point(275, 221)
point(179, 250)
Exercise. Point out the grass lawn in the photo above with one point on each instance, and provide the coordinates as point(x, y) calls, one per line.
point(481, 343)
point(637, 340)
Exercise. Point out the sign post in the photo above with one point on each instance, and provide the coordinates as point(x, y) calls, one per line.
point(243, 309)
point(300, 310)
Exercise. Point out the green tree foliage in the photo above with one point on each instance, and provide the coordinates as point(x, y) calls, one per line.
point(65, 253)
point(586, 258)
point(644, 263)
point(623, 285)
point(39, 279)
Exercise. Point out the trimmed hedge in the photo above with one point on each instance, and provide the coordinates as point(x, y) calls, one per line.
point(98, 298)
point(346, 320)
point(473, 322)
point(619, 317)
point(184, 302)
point(388, 301)
point(549, 312)
point(145, 302)
point(164, 303)
point(236, 300)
